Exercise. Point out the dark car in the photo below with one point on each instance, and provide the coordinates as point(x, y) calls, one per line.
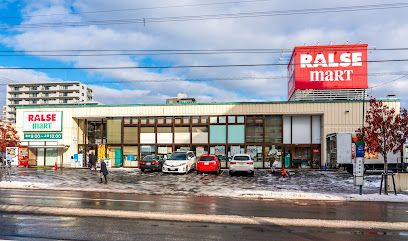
point(151, 162)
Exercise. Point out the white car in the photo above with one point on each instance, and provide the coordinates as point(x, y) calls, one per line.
point(241, 163)
point(180, 162)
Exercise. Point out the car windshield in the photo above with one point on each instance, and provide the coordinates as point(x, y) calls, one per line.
point(206, 159)
point(150, 158)
point(241, 158)
point(177, 156)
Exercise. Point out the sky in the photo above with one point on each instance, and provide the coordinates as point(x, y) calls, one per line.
point(44, 25)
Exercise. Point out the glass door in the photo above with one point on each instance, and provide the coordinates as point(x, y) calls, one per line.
point(40, 157)
point(50, 156)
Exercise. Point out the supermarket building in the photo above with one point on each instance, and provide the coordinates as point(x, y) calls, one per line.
point(326, 94)
point(126, 133)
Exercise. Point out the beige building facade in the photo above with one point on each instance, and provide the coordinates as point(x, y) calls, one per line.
point(292, 131)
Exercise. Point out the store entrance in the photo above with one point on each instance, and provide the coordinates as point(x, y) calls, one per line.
point(85, 150)
point(46, 156)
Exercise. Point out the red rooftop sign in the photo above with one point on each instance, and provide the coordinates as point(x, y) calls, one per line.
point(328, 67)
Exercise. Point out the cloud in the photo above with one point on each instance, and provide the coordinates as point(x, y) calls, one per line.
point(267, 83)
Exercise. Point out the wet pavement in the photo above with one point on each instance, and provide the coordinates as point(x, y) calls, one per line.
point(28, 227)
point(331, 210)
point(132, 180)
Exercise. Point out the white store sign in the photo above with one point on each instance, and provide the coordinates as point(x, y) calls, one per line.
point(42, 121)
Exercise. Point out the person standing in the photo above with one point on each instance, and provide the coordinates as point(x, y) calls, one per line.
point(104, 172)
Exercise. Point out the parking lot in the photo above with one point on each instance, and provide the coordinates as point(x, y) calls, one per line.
point(326, 184)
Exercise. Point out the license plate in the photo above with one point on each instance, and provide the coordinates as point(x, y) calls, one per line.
point(206, 164)
point(148, 164)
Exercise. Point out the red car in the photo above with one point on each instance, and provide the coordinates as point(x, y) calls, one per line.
point(208, 163)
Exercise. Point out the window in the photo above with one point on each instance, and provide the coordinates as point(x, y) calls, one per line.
point(130, 135)
point(177, 121)
point(34, 102)
point(46, 95)
point(147, 135)
point(16, 88)
point(160, 121)
point(204, 119)
point(222, 119)
point(152, 121)
point(45, 101)
point(127, 121)
point(143, 121)
point(135, 121)
point(169, 120)
point(213, 119)
point(34, 88)
point(186, 120)
point(65, 101)
point(273, 129)
point(240, 119)
point(231, 120)
point(114, 131)
point(34, 95)
point(83, 94)
point(195, 119)
point(200, 134)
point(46, 87)
point(65, 94)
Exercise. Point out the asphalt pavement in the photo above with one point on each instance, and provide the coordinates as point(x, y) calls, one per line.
point(363, 211)
point(29, 227)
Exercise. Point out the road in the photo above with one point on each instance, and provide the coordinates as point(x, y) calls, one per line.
point(27, 226)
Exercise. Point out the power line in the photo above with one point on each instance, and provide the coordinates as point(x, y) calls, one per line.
point(215, 16)
point(207, 79)
point(137, 9)
point(65, 53)
point(389, 82)
point(182, 66)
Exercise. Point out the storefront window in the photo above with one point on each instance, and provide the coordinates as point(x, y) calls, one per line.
point(200, 150)
point(182, 135)
point(204, 119)
point(169, 120)
point(200, 134)
point(95, 130)
point(130, 135)
point(213, 119)
point(220, 152)
point(235, 149)
point(222, 119)
point(127, 121)
point(272, 153)
point(218, 134)
point(114, 129)
point(273, 129)
point(164, 151)
point(160, 120)
point(164, 135)
point(181, 147)
point(302, 157)
point(256, 154)
point(147, 150)
point(195, 119)
point(115, 155)
point(231, 120)
point(254, 133)
point(130, 156)
point(236, 134)
point(240, 119)
point(147, 135)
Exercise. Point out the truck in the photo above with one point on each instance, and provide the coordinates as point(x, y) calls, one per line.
point(341, 153)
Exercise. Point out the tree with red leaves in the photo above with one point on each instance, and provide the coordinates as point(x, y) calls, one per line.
point(385, 131)
point(8, 137)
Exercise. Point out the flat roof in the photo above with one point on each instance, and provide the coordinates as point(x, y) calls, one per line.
point(201, 103)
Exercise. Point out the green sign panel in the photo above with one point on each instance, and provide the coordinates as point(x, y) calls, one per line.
point(44, 136)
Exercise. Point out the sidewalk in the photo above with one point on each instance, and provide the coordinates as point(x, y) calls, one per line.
point(316, 185)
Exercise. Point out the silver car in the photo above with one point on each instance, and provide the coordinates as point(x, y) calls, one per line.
point(241, 163)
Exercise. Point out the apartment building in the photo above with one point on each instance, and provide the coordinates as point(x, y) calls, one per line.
point(37, 94)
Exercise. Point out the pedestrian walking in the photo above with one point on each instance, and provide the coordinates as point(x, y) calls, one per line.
point(103, 172)
point(92, 161)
